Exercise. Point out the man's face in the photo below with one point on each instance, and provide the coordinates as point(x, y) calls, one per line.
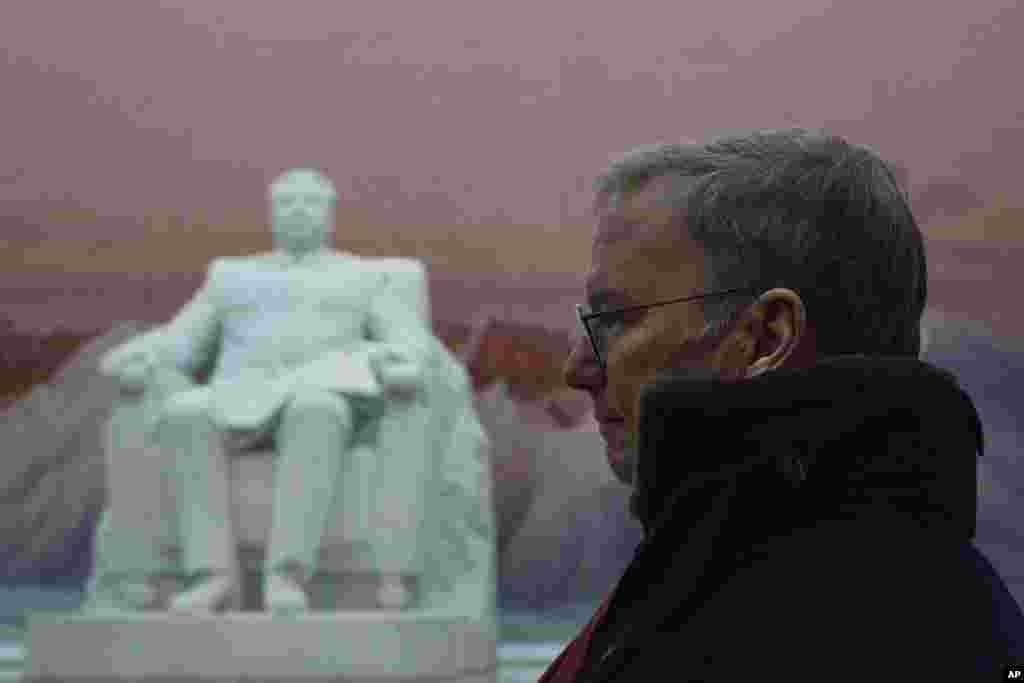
point(301, 214)
point(639, 258)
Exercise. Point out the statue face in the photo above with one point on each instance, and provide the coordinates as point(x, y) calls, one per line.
point(301, 213)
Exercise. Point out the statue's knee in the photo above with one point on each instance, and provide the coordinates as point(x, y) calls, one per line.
point(320, 402)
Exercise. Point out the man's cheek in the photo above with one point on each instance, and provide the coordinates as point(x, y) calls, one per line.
point(629, 368)
point(626, 400)
point(618, 403)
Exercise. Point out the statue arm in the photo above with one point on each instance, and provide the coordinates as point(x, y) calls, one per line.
point(184, 343)
point(190, 339)
point(399, 320)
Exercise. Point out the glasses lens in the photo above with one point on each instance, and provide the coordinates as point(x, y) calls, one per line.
point(594, 332)
point(598, 338)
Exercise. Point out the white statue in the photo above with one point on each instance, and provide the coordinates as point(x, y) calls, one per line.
point(288, 335)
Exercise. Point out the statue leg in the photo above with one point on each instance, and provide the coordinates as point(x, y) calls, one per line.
point(313, 436)
point(404, 463)
point(139, 525)
point(204, 501)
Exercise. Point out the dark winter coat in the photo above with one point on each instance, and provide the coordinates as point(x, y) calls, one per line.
point(806, 525)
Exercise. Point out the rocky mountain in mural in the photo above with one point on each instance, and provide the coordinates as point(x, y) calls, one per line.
point(563, 529)
point(52, 483)
point(54, 478)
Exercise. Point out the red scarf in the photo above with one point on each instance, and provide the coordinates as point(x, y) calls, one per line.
point(568, 664)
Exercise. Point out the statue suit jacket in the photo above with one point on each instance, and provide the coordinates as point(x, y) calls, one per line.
point(268, 323)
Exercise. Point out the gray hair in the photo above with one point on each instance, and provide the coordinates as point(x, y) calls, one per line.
point(308, 173)
point(800, 209)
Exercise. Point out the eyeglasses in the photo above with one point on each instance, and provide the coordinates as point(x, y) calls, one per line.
point(598, 326)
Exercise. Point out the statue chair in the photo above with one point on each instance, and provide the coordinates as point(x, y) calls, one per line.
point(404, 504)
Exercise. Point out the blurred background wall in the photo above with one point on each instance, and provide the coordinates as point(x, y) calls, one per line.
point(138, 140)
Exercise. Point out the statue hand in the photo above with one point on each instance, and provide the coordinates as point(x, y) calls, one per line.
point(396, 368)
point(133, 369)
point(139, 368)
point(383, 355)
point(138, 354)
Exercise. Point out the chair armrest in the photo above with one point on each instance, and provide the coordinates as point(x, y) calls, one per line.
point(166, 379)
point(139, 367)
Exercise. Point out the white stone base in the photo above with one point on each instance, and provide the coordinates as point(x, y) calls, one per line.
point(346, 646)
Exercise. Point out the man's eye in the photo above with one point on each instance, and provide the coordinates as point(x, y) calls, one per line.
point(613, 322)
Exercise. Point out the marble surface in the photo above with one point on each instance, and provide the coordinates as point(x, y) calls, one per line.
point(530, 641)
point(383, 645)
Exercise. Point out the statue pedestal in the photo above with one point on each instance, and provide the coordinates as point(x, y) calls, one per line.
point(378, 646)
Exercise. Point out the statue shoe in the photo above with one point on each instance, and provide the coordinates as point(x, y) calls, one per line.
point(392, 594)
point(282, 594)
point(140, 594)
point(215, 592)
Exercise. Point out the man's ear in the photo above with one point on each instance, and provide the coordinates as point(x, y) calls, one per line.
point(775, 331)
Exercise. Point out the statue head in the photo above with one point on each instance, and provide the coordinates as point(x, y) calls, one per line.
point(302, 210)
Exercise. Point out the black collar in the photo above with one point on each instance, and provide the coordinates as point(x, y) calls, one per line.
point(726, 471)
point(848, 435)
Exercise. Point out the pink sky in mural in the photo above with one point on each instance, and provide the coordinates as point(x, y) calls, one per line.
point(477, 112)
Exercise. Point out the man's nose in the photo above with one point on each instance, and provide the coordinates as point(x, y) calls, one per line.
point(581, 369)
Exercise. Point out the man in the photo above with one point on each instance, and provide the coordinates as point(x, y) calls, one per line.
point(285, 330)
point(807, 486)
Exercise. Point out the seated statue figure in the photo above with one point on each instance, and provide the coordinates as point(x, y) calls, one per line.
point(300, 339)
